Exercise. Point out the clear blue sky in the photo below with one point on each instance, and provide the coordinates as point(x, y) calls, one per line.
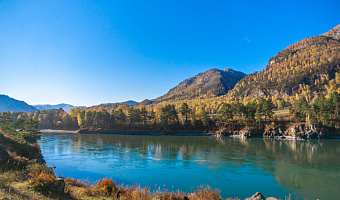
point(92, 52)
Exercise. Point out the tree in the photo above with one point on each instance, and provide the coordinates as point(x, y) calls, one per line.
point(267, 108)
point(203, 116)
point(335, 96)
point(151, 115)
point(226, 112)
point(250, 111)
point(20, 123)
point(169, 114)
point(185, 111)
point(120, 116)
point(301, 108)
point(193, 119)
point(134, 115)
point(31, 126)
point(144, 115)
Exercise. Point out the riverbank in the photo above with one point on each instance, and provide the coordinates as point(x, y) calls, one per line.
point(292, 131)
point(58, 131)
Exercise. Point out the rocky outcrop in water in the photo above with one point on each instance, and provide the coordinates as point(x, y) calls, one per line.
point(272, 131)
point(302, 131)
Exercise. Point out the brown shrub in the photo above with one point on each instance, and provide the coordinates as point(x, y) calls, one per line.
point(43, 182)
point(107, 186)
point(205, 193)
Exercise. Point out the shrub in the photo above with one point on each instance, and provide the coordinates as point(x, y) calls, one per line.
point(107, 186)
point(7, 177)
point(205, 193)
point(74, 182)
point(43, 182)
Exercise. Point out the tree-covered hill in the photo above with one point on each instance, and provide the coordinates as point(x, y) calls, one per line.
point(305, 68)
point(211, 83)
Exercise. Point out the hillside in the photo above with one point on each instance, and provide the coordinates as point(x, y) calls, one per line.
point(9, 104)
point(211, 83)
point(305, 68)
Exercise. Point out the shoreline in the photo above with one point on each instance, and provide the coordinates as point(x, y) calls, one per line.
point(57, 131)
point(197, 134)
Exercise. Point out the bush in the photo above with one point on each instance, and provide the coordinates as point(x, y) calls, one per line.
point(107, 186)
point(43, 182)
point(206, 193)
point(8, 177)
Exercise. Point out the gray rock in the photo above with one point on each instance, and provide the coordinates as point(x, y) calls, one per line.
point(272, 198)
point(60, 184)
point(257, 196)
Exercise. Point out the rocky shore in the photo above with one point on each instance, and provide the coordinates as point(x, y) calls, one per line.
point(293, 132)
point(298, 131)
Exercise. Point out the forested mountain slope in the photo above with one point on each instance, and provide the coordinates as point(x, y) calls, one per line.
point(211, 83)
point(304, 68)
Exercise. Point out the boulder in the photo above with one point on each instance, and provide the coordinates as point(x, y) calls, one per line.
point(303, 131)
point(257, 196)
point(272, 198)
point(60, 185)
point(272, 131)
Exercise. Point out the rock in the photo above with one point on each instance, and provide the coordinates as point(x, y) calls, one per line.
point(257, 196)
point(272, 198)
point(60, 184)
point(303, 131)
point(272, 131)
point(185, 198)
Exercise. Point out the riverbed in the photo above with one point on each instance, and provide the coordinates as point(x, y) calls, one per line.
point(237, 167)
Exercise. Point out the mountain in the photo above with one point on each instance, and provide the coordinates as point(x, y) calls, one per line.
point(306, 68)
point(333, 33)
point(9, 104)
point(65, 107)
point(213, 82)
point(115, 105)
point(130, 102)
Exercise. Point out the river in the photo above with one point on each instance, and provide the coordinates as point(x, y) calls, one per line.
point(238, 168)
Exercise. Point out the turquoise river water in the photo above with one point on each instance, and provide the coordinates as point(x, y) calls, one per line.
point(238, 168)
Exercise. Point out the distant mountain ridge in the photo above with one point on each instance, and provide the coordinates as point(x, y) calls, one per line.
point(115, 105)
point(65, 107)
point(10, 104)
point(213, 82)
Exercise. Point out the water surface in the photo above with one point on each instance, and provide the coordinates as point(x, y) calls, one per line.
point(239, 168)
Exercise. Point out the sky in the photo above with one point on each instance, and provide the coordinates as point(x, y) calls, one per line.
point(90, 52)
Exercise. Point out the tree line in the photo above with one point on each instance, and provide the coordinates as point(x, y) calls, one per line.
point(323, 111)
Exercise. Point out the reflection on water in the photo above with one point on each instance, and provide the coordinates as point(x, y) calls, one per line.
point(306, 169)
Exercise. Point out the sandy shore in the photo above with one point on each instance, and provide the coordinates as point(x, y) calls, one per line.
point(57, 131)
